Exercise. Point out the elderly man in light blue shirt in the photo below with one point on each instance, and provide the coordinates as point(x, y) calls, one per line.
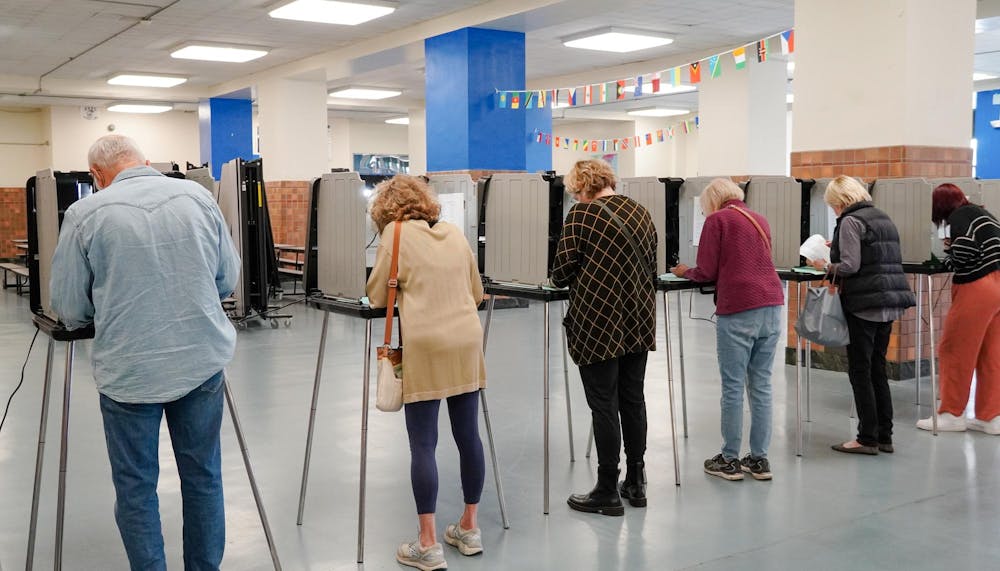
point(147, 261)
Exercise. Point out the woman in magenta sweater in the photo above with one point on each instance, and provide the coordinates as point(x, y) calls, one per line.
point(735, 253)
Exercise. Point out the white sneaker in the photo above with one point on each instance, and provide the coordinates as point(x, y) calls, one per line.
point(987, 426)
point(468, 541)
point(423, 558)
point(946, 422)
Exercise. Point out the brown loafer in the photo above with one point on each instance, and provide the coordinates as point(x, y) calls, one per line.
point(867, 450)
point(886, 447)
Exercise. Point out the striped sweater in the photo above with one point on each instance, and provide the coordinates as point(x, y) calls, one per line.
point(975, 244)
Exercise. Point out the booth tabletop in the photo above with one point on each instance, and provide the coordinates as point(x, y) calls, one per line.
point(58, 331)
point(531, 292)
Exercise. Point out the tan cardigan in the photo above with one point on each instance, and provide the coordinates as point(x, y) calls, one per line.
point(439, 292)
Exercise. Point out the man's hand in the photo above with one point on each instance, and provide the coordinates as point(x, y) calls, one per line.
point(818, 264)
point(679, 270)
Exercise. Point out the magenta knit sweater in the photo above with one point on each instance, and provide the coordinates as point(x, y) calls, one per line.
point(732, 254)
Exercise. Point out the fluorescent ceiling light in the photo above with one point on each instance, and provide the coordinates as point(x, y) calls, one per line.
point(667, 89)
point(979, 76)
point(398, 121)
point(228, 54)
point(560, 105)
point(145, 80)
point(139, 108)
point(364, 93)
point(791, 67)
point(332, 12)
point(618, 40)
point(657, 112)
point(789, 98)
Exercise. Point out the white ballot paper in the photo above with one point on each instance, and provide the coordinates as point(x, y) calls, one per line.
point(815, 248)
point(453, 208)
point(697, 221)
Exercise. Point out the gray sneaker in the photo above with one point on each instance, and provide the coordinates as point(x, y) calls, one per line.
point(423, 558)
point(468, 541)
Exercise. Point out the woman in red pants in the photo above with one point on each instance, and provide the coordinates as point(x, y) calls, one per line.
point(970, 341)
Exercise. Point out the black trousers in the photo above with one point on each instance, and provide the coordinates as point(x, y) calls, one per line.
point(614, 390)
point(866, 367)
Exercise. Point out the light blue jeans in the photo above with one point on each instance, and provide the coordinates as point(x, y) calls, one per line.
point(746, 344)
point(132, 432)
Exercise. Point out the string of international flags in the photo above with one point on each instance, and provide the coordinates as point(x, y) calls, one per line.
point(645, 83)
point(616, 145)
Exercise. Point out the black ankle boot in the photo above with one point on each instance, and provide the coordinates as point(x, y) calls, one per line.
point(603, 499)
point(633, 487)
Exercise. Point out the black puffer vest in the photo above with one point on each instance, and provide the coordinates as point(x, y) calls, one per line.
point(880, 281)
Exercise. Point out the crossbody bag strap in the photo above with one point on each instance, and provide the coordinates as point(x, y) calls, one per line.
point(628, 236)
point(755, 224)
point(393, 283)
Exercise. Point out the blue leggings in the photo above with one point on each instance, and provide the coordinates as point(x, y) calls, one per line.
point(422, 428)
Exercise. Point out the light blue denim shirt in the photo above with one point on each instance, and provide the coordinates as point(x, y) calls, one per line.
point(147, 260)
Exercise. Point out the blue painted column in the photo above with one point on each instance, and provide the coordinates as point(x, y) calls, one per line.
point(465, 128)
point(226, 131)
point(987, 137)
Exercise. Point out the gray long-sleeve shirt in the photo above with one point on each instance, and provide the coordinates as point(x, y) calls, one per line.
point(851, 230)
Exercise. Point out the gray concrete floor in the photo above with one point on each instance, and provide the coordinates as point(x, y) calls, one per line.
point(934, 504)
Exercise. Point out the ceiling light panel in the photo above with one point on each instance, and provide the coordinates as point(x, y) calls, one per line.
point(657, 112)
point(617, 40)
point(364, 93)
point(139, 108)
point(332, 12)
point(398, 121)
point(228, 54)
point(146, 80)
point(980, 76)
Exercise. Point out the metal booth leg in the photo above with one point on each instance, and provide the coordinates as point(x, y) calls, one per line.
point(918, 372)
point(590, 440)
point(238, 427)
point(798, 380)
point(933, 355)
point(63, 452)
point(569, 408)
point(364, 440)
point(809, 364)
point(670, 387)
point(545, 410)
point(680, 349)
point(29, 560)
point(312, 416)
point(489, 425)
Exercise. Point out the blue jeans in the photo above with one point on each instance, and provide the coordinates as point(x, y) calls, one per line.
point(746, 345)
point(132, 432)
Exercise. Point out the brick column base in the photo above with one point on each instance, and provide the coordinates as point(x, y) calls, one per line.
point(869, 164)
point(13, 220)
point(288, 205)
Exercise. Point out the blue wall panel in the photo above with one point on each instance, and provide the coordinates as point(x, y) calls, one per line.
point(987, 138)
point(226, 131)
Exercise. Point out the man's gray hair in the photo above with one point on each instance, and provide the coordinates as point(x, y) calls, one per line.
point(114, 150)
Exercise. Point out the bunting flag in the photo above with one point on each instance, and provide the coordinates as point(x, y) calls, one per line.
point(638, 86)
point(675, 76)
point(649, 139)
point(714, 66)
point(576, 144)
point(539, 137)
point(515, 101)
point(740, 55)
point(557, 93)
point(586, 144)
point(588, 95)
point(788, 42)
point(541, 100)
point(659, 135)
point(558, 140)
point(624, 144)
point(502, 104)
point(620, 89)
point(604, 146)
point(612, 90)
point(695, 70)
point(616, 145)
point(572, 97)
point(655, 82)
point(529, 98)
point(548, 139)
point(602, 94)
point(761, 51)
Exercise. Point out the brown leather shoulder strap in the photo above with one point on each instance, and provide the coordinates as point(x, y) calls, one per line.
point(393, 283)
point(755, 224)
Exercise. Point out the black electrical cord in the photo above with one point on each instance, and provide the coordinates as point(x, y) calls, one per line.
point(264, 315)
point(18, 387)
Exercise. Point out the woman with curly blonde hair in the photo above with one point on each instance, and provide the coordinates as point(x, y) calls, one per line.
point(439, 291)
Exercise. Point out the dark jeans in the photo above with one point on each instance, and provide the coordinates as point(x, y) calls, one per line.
point(132, 432)
point(422, 428)
point(866, 367)
point(614, 390)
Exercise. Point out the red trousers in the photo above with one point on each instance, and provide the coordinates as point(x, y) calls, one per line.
point(970, 341)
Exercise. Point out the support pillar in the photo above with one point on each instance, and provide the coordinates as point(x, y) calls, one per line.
point(466, 130)
point(226, 131)
point(894, 105)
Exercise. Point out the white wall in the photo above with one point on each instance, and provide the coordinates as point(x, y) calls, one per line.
point(677, 157)
point(563, 160)
point(22, 152)
point(293, 132)
point(418, 141)
point(379, 137)
point(340, 143)
point(171, 136)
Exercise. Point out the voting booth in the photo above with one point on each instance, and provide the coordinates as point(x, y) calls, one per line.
point(690, 218)
point(522, 220)
point(989, 196)
point(342, 232)
point(907, 201)
point(49, 193)
point(660, 197)
point(457, 195)
point(779, 200)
